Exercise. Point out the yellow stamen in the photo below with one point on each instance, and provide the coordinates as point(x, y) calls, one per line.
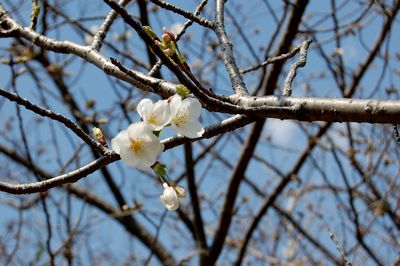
point(180, 118)
point(152, 120)
point(136, 145)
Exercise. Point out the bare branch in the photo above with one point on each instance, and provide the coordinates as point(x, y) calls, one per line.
point(105, 27)
point(10, 28)
point(287, 89)
point(187, 24)
point(342, 253)
point(34, 14)
point(396, 133)
point(221, 127)
point(320, 109)
point(229, 60)
point(70, 177)
point(57, 117)
point(273, 60)
point(201, 241)
point(193, 17)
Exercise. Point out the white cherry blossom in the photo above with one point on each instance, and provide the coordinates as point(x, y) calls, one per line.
point(184, 116)
point(156, 115)
point(137, 146)
point(169, 198)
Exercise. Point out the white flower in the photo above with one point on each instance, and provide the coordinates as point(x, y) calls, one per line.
point(137, 146)
point(184, 115)
point(156, 115)
point(169, 198)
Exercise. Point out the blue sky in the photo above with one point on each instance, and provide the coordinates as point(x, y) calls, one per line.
point(90, 83)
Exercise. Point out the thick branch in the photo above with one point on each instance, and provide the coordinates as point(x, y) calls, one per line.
point(10, 28)
point(321, 109)
point(229, 60)
point(233, 189)
point(201, 240)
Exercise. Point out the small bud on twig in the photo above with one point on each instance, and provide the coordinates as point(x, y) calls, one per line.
point(99, 136)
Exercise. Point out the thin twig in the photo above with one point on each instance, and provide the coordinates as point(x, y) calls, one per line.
point(55, 116)
point(193, 17)
point(187, 24)
point(34, 14)
point(102, 32)
point(341, 251)
point(396, 133)
point(273, 60)
point(287, 89)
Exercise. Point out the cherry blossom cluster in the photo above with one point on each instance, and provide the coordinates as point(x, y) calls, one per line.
point(139, 145)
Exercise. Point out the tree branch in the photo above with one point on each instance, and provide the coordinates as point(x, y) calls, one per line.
point(198, 221)
point(52, 182)
point(57, 117)
point(102, 32)
point(229, 60)
point(287, 88)
point(193, 17)
point(126, 220)
point(10, 28)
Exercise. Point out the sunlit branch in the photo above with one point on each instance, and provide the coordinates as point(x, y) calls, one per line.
point(105, 27)
point(287, 87)
point(226, 46)
point(193, 17)
point(10, 28)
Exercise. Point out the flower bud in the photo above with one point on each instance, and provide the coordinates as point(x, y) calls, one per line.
point(99, 136)
point(180, 191)
point(169, 198)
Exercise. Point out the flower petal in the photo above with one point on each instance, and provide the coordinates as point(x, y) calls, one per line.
point(129, 157)
point(119, 141)
point(154, 147)
point(145, 108)
point(139, 130)
point(193, 107)
point(175, 104)
point(162, 112)
point(191, 129)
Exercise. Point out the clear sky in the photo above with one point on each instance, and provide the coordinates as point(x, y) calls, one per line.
point(88, 83)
